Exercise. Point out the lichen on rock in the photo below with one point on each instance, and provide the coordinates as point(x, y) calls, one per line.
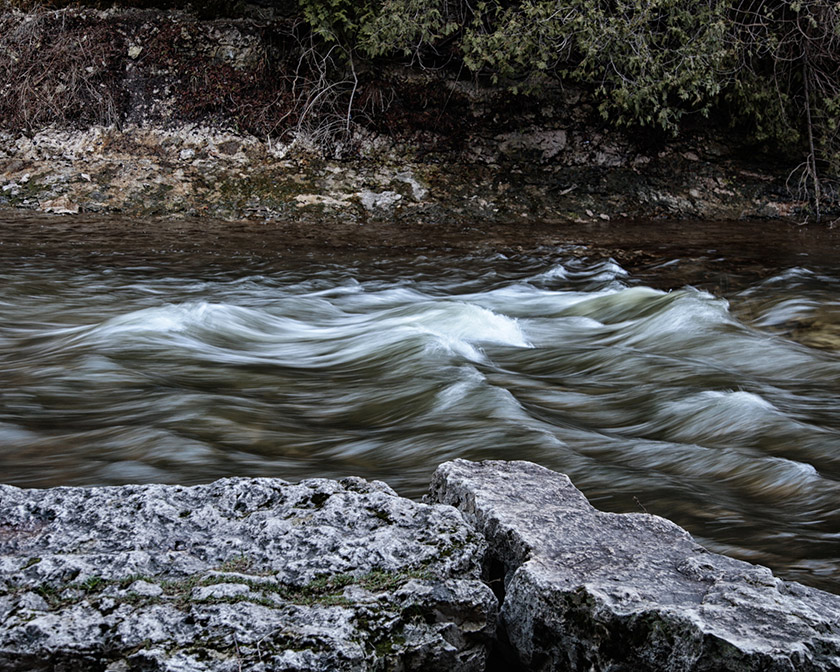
point(588, 590)
point(260, 574)
point(253, 574)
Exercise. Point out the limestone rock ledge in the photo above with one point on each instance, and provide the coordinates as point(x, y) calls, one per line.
point(263, 575)
point(241, 574)
point(587, 590)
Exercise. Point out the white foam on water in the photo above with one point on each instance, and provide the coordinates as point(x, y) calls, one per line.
point(456, 321)
point(713, 415)
point(786, 276)
point(788, 310)
point(526, 301)
point(160, 320)
point(800, 469)
point(472, 394)
point(10, 434)
point(453, 395)
point(551, 332)
point(617, 306)
point(736, 400)
point(237, 334)
point(557, 272)
point(687, 312)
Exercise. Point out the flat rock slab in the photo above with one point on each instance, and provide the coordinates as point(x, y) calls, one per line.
point(594, 591)
point(241, 574)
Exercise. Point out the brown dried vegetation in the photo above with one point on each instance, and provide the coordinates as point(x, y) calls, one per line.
point(73, 68)
point(76, 67)
point(59, 67)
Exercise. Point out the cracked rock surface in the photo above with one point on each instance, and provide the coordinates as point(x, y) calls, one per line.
point(254, 574)
point(595, 591)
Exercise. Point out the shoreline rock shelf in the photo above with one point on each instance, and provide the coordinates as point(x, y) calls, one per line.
point(168, 114)
point(507, 566)
point(240, 574)
point(588, 590)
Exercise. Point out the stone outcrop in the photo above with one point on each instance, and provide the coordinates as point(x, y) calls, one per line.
point(260, 574)
point(241, 574)
point(587, 590)
point(183, 171)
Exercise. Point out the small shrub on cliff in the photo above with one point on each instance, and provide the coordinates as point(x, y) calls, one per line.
point(773, 68)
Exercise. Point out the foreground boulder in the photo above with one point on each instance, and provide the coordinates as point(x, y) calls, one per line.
point(262, 575)
point(241, 574)
point(594, 591)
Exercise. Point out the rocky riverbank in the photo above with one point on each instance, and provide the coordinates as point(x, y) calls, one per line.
point(507, 566)
point(164, 114)
point(533, 174)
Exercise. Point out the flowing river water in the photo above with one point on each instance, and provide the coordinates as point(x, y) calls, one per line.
point(691, 374)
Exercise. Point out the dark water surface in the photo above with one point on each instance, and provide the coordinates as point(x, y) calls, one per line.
point(690, 370)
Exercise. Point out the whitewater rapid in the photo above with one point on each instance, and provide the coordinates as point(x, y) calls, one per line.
point(707, 409)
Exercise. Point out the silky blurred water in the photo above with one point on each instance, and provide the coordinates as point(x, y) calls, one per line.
point(714, 404)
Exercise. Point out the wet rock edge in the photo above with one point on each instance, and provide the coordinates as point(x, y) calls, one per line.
point(581, 589)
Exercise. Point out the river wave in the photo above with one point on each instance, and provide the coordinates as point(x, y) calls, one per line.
point(713, 410)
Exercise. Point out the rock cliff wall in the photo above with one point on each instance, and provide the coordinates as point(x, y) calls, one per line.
point(154, 113)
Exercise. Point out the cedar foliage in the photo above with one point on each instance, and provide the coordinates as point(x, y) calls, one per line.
point(771, 67)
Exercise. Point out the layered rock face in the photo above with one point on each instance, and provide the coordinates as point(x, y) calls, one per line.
point(242, 574)
point(169, 115)
point(587, 590)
